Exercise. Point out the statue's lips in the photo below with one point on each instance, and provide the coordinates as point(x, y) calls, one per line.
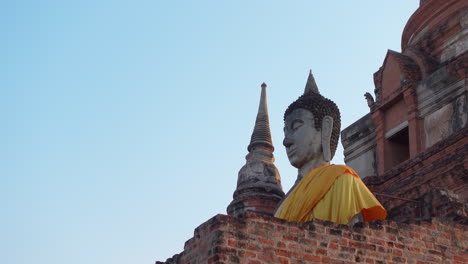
point(291, 152)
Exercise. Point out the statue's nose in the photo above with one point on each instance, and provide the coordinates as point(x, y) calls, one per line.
point(287, 142)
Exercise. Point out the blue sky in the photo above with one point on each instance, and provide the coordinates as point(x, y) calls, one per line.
point(124, 123)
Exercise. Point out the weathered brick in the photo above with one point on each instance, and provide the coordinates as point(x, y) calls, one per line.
point(335, 232)
point(377, 241)
point(461, 259)
point(312, 257)
point(290, 238)
point(308, 242)
point(281, 244)
point(282, 260)
point(266, 241)
point(397, 252)
point(265, 257)
point(294, 231)
point(282, 252)
point(253, 247)
point(343, 242)
point(399, 259)
point(321, 251)
point(348, 249)
point(333, 246)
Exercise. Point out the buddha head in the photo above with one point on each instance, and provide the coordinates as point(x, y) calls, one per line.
point(311, 127)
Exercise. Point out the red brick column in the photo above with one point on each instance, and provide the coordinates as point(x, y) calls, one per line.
point(415, 138)
point(377, 119)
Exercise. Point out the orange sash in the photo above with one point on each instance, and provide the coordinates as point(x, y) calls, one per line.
point(333, 193)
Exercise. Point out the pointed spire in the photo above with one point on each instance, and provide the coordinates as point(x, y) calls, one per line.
point(258, 182)
point(311, 86)
point(261, 135)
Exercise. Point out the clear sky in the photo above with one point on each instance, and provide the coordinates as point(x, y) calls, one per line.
point(123, 124)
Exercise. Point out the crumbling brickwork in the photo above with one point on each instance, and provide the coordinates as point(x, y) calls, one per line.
point(442, 168)
point(259, 238)
point(417, 144)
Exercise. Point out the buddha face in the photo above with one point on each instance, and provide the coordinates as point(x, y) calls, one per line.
point(301, 139)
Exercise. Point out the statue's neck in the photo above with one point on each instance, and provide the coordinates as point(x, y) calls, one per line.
point(312, 164)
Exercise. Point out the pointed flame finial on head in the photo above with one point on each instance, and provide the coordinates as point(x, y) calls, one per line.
point(311, 86)
point(264, 85)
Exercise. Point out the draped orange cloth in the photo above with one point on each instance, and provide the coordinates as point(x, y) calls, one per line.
point(330, 192)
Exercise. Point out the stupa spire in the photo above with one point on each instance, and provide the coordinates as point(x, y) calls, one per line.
point(261, 135)
point(258, 182)
point(311, 86)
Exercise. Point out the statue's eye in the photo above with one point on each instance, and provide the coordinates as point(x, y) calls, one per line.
point(296, 124)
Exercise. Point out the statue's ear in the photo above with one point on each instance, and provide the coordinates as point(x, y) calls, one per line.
point(327, 127)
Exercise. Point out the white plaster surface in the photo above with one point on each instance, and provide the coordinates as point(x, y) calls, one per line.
point(458, 44)
point(430, 99)
point(461, 113)
point(363, 164)
point(455, 46)
point(438, 125)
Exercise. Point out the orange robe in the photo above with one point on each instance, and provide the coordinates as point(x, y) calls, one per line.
point(330, 192)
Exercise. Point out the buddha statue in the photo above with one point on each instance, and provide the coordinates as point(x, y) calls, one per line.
point(323, 191)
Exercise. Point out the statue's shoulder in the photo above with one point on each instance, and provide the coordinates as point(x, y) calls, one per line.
point(344, 169)
point(339, 167)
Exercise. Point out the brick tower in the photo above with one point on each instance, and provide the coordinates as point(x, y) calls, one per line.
point(413, 143)
point(258, 183)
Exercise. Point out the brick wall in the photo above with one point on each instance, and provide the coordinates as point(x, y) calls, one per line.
point(258, 238)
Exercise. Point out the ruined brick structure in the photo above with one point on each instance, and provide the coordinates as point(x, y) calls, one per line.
point(413, 143)
point(411, 150)
point(258, 238)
